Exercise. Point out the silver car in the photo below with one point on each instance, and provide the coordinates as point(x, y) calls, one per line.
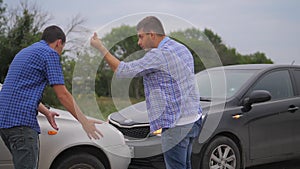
point(71, 148)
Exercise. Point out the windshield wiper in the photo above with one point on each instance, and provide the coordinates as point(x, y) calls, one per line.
point(205, 99)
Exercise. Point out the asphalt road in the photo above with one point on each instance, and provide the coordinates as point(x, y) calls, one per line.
point(292, 164)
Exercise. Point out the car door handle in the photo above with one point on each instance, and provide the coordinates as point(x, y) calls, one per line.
point(292, 109)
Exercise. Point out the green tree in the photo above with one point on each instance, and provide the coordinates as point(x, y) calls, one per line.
point(3, 60)
point(198, 44)
point(122, 43)
point(3, 19)
point(207, 48)
point(22, 30)
point(229, 56)
point(257, 57)
point(23, 26)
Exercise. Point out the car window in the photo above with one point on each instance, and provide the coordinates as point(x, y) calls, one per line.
point(297, 79)
point(277, 83)
point(217, 83)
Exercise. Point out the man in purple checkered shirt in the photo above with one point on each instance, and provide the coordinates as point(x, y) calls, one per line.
point(170, 88)
point(31, 70)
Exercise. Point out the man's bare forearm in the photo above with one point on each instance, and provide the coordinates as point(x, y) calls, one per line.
point(43, 109)
point(112, 61)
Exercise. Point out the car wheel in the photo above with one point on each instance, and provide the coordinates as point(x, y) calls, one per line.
point(221, 153)
point(80, 161)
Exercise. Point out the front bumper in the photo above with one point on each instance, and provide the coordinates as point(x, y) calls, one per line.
point(147, 153)
point(147, 147)
point(119, 156)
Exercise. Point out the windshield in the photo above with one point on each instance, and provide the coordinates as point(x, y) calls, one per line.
point(220, 83)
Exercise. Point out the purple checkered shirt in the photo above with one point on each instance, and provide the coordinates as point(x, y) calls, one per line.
point(169, 81)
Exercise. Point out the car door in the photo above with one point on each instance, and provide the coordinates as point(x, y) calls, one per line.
point(270, 123)
point(296, 129)
point(5, 157)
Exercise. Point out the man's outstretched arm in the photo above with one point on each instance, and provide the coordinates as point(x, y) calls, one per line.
point(67, 100)
point(110, 59)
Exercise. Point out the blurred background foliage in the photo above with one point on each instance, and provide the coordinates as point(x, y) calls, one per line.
point(20, 27)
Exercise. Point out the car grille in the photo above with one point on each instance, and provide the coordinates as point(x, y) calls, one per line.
point(135, 132)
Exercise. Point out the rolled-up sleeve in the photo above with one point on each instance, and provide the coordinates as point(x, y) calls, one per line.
point(151, 62)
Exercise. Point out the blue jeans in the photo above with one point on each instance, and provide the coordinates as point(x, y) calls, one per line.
point(177, 145)
point(23, 143)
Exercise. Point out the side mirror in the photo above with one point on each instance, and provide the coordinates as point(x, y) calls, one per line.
point(257, 96)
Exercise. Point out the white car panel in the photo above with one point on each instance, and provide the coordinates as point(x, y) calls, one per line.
point(110, 150)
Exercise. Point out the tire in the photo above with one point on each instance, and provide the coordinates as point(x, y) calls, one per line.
point(79, 161)
point(220, 146)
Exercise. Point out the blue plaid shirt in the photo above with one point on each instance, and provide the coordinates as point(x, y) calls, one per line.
point(169, 81)
point(31, 70)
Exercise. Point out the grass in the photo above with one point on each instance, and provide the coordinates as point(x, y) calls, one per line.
point(106, 105)
point(103, 106)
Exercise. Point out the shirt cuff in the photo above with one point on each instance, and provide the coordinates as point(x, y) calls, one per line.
point(120, 69)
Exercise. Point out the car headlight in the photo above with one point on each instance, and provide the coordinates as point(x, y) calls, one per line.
point(203, 116)
point(156, 133)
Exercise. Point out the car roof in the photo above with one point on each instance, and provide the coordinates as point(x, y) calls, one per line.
point(254, 66)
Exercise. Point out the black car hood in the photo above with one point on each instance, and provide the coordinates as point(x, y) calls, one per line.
point(131, 116)
point(136, 115)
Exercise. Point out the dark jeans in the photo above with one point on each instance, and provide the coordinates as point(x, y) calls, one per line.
point(23, 143)
point(177, 145)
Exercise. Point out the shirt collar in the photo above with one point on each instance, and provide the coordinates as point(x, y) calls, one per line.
point(163, 42)
point(43, 42)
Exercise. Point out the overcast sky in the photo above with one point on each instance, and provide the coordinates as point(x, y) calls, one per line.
point(268, 26)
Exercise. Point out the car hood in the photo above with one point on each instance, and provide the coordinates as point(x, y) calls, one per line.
point(63, 115)
point(131, 116)
point(71, 128)
point(136, 115)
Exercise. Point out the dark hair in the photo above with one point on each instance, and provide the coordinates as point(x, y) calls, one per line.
point(151, 23)
point(53, 33)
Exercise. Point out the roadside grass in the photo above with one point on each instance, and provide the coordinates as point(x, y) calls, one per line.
point(102, 107)
point(108, 105)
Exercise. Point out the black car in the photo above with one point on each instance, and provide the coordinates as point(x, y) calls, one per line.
point(250, 116)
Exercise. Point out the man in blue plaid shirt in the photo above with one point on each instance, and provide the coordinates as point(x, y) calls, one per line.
point(170, 88)
point(31, 70)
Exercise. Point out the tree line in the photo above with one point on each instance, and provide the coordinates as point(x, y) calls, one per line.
point(22, 27)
